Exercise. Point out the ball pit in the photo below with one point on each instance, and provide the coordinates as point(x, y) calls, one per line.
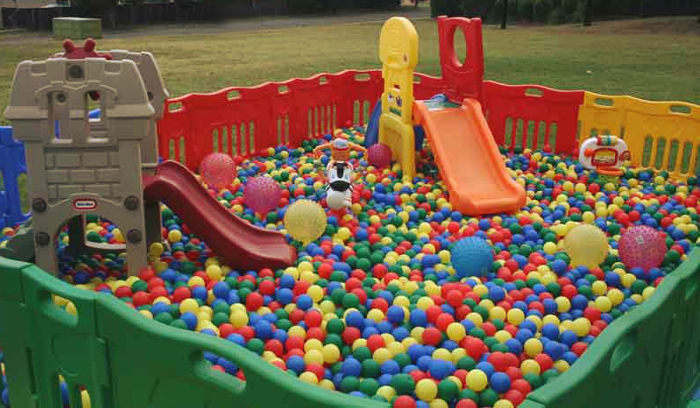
point(376, 306)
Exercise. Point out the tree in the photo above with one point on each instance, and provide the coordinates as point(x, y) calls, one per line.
point(504, 17)
point(587, 13)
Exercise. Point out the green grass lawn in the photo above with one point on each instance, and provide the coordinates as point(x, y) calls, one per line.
point(654, 59)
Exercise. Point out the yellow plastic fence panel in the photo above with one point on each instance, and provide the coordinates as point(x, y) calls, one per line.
point(660, 135)
point(398, 51)
point(664, 136)
point(601, 114)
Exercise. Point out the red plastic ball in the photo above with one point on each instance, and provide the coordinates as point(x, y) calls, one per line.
point(218, 170)
point(379, 155)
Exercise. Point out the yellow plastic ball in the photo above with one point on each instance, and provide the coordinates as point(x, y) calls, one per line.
point(189, 305)
point(550, 248)
point(561, 365)
point(313, 356)
point(586, 245)
point(533, 347)
point(308, 377)
point(214, 272)
point(515, 316)
point(387, 392)
point(238, 319)
point(426, 390)
point(530, 366)
point(477, 380)
point(603, 304)
point(442, 354)
point(438, 403)
point(381, 355)
point(456, 331)
point(331, 353)
point(174, 236)
point(616, 296)
point(504, 403)
point(305, 221)
point(581, 326)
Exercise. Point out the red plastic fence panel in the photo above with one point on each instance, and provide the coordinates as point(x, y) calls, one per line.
point(247, 120)
point(426, 86)
point(463, 78)
point(532, 116)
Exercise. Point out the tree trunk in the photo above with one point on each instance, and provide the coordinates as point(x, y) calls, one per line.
point(587, 13)
point(504, 18)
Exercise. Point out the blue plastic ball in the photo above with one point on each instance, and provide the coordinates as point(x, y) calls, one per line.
point(471, 256)
point(500, 382)
point(395, 314)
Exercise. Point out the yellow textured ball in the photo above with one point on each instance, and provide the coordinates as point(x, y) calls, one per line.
point(586, 246)
point(305, 221)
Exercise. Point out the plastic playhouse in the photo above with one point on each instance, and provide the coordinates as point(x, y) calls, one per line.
point(490, 245)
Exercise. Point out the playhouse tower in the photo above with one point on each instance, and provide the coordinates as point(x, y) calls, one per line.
point(77, 165)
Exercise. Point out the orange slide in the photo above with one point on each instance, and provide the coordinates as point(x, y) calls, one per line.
point(468, 158)
point(242, 245)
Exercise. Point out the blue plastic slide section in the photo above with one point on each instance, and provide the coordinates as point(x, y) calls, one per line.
point(372, 133)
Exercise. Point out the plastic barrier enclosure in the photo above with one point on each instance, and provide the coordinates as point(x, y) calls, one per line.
point(100, 348)
point(660, 135)
point(124, 360)
point(12, 165)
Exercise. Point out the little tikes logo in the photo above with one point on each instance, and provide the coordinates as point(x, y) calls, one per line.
point(84, 204)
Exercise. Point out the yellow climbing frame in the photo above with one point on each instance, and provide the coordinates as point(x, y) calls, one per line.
point(398, 51)
point(660, 135)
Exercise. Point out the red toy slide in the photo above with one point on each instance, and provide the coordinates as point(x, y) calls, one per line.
point(468, 159)
point(241, 245)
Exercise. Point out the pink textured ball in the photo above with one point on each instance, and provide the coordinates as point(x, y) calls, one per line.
point(379, 155)
point(642, 247)
point(261, 194)
point(218, 170)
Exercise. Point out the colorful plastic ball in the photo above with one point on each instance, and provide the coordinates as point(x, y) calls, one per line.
point(262, 194)
point(404, 401)
point(500, 382)
point(426, 390)
point(477, 380)
point(471, 256)
point(218, 170)
point(586, 246)
point(379, 155)
point(642, 247)
point(305, 221)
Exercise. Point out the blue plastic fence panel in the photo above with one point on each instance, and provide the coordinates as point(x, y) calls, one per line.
point(12, 164)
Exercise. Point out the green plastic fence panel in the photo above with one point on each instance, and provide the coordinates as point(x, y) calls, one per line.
point(648, 358)
point(124, 360)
